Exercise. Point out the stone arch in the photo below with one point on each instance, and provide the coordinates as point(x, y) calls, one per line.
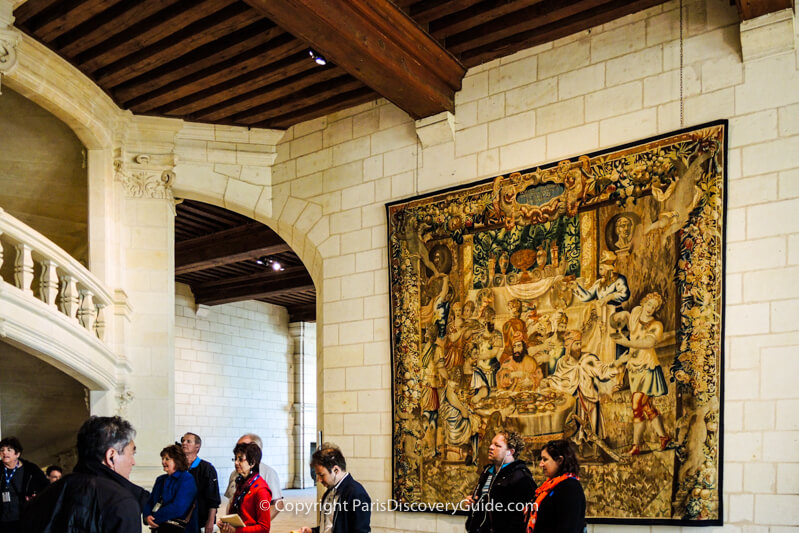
point(52, 83)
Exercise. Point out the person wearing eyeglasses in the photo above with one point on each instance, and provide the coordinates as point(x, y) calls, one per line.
point(251, 500)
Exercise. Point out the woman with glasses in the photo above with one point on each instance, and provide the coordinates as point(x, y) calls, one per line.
point(252, 496)
point(174, 495)
point(559, 502)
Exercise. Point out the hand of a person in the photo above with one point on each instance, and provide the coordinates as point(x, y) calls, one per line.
point(151, 521)
point(305, 530)
point(468, 501)
point(225, 528)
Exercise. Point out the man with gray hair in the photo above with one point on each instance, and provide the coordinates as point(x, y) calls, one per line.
point(268, 473)
point(98, 495)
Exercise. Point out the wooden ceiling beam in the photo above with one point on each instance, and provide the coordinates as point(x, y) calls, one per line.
point(114, 20)
point(234, 245)
point(203, 60)
point(150, 30)
point(266, 275)
point(180, 43)
point(299, 100)
point(749, 9)
point(210, 79)
point(377, 43)
point(526, 20)
point(331, 105)
point(53, 24)
point(425, 12)
point(554, 30)
point(30, 9)
point(255, 291)
point(477, 15)
point(264, 94)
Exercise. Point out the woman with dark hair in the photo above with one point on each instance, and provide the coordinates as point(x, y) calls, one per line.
point(252, 496)
point(174, 495)
point(559, 503)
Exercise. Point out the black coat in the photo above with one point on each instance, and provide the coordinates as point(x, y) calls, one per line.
point(512, 486)
point(563, 509)
point(207, 490)
point(33, 482)
point(353, 512)
point(93, 499)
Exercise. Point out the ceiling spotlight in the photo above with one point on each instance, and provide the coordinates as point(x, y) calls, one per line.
point(318, 59)
point(274, 264)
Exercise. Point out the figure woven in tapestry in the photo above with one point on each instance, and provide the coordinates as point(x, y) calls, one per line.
point(579, 300)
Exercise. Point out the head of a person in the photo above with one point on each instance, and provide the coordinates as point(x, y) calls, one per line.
point(558, 458)
point(651, 302)
point(504, 447)
point(607, 264)
point(191, 443)
point(246, 458)
point(561, 323)
point(468, 309)
point(173, 459)
point(573, 342)
point(624, 227)
point(515, 307)
point(251, 437)
point(54, 473)
point(10, 449)
point(329, 464)
point(109, 440)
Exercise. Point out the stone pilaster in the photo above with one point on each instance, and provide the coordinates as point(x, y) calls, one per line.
point(303, 335)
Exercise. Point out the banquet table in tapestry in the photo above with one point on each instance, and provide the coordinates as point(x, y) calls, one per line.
point(582, 300)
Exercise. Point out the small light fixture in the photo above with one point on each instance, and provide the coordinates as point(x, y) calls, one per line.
point(318, 59)
point(274, 264)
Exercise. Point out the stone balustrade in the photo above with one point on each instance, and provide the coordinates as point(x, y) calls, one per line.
point(45, 271)
point(53, 306)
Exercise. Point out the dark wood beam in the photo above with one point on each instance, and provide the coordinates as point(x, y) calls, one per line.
point(150, 30)
point(749, 9)
point(228, 246)
point(264, 94)
point(255, 291)
point(377, 43)
point(266, 275)
point(176, 45)
point(112, 21)
point(476, 15)
point(30, 9)
point(424, 12)
point(331, 105)
point(53, 24)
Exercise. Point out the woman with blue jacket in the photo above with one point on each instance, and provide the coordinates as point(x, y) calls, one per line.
point(174, 495)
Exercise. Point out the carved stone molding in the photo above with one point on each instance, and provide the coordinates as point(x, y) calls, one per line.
point(9, 39)
point(124, 396)
point(141, 180)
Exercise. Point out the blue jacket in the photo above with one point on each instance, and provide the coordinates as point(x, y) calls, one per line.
point(177, 493)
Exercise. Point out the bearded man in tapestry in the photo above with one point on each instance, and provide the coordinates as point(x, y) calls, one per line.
point(578, 300)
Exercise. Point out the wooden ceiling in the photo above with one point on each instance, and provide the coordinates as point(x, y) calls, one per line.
point(216, 252)
point(247, 63)
point(228, 62)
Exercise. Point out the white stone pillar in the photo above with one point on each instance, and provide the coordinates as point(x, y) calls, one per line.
point(144, 165)
point(303, 335)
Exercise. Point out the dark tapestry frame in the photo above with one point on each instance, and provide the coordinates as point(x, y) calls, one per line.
point(490, 285)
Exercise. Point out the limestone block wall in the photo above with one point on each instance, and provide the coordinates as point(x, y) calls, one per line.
point(233, 376)
point(613, 84)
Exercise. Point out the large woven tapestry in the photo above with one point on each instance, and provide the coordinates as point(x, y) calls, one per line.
point(581, 300)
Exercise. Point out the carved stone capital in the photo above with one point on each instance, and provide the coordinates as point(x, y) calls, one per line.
point(146, 176)
point(9, 39)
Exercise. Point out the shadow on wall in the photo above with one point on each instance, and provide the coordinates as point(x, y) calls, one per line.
point(42, 406)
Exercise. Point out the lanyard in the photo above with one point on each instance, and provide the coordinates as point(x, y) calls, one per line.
point(237, 502)
point(9, 478)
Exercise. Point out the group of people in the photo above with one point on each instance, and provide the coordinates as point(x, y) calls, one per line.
point(98, 496)
point(506, 498)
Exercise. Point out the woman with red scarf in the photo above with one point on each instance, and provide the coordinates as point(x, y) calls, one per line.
point(559, 503)
point(252, 496)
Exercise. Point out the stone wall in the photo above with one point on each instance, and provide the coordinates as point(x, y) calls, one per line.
point(610, 85)
point(233, 375)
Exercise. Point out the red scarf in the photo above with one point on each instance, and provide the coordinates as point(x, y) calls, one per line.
point(542, 492)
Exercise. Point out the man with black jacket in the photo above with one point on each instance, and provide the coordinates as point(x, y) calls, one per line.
point(98, 496)
point(21, 481)
point(205, 477)
point(345, 505)
point(504, 488)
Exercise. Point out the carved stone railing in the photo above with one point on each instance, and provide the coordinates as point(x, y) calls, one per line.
point(52, 286)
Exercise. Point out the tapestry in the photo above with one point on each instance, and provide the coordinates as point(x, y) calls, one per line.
point(578, 300)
